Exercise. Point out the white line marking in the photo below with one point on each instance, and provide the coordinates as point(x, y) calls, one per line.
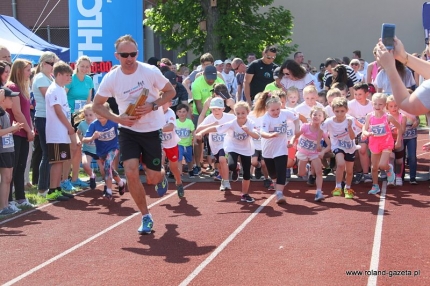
point(374, 262)
point(53, 259)
point(224, 244)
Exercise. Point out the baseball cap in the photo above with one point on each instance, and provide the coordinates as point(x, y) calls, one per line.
point(153, 61)
point(8, 92)
point(221, 90)
point(171, 76)
point(218, 62)
point(227, 61)
point(210, 73)
point(216, 102)
point(276, 72)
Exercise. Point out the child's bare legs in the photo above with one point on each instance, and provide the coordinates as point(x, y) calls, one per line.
point(317, 166)
point(375, 158)
point(349, 167)
point(384, 161)
point(340, 163)
point(302, 168)
point(55, 174)
point(6, 178)
point(174, 168)
point(86, 164)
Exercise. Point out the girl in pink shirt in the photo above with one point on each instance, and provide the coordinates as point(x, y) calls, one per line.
point(309, 147)
point(381, 142)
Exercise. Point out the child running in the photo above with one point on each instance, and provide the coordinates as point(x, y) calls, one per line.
point(105, 134)
point(169, 141)
point(274, 140)
point(89, 151)
point(309, 148)
point(185, 130)
point(399, 153)
point(237, 143)
point(216, 139)
point(342, 131)
point(381, 142)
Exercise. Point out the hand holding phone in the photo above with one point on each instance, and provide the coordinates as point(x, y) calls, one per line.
point(387, 35)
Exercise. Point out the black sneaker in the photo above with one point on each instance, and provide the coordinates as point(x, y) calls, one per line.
point(106, 195)
point(191, 174)
point(267, 183)
point(358, 178)
point(247, 198)
point(326, 171)
point(67, 195)
point(92, 183)
point(235, 175)
point(122, 190)
point(258, 173)
point(311, 180)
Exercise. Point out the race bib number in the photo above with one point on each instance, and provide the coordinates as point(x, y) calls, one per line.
point(217, 137)
point(166, 136)
point(183, 133)
point(240, 136)
point(307, 144)
point(289, 132)
point(410, 133)
point(79, 104)
point(7, 140)
point(345, 144)
point(281, 129)
point(379, 130)
point(362, 120)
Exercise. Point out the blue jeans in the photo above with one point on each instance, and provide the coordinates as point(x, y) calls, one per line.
point(411, 149)
point(44, 167)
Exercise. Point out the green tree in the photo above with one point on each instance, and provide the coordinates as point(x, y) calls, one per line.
point(231, 28)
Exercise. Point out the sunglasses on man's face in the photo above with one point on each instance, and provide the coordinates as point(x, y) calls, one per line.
point(51, 64)
point(270, 57)
point(126, 55)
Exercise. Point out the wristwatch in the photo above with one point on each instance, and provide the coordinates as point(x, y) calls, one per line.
point(154, 106)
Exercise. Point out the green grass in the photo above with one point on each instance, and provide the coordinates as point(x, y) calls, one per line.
point(423, 121)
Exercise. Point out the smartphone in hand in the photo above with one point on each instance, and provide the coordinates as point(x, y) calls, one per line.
point(387, 34)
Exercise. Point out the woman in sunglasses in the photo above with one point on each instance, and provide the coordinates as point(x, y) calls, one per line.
point(295, 75)
point(79, 93)
point(355, 65)
point(41, 81)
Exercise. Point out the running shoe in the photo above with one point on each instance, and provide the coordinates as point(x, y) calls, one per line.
point(161, 187)
point(326, 171)
point(337, 192)
point(258, 173)
point(196, 170)
point(122, 190)
point(80, 184)
point(367, 178)
point(349, 193)
point(191, 174)
point(311, 180)
point(235, 175)
point(390, 175)
point(93, 183)
point(375, 189)
point(280, 199)
point(180, 190)
point(267, 183)
point(106, 194)
point(218, 178)
point(7, 211)
point(399, 181)
point(12, 206)
point(319, 196)
point(358, 178)
point(271, 187)
point(227, 185)
point(56, 196)
point(222, 186)
point(147, 224)
point(66, 185)
point(247, 198)
point(413, 182)
point(24, 204)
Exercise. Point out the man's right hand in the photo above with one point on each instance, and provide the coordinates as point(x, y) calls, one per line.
point(127, 120)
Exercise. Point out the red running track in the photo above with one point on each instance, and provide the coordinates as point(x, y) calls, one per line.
point(210, 238)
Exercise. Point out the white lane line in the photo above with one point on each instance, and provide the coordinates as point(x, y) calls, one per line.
point(55, 258)
point(374, 262)
point(224, 244)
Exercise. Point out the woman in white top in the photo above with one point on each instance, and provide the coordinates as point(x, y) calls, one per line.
point(41, 81)
point(295, 75)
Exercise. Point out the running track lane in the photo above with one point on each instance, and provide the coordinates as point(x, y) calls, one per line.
point(300, 243)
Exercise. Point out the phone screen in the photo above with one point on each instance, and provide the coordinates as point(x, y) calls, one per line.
point(388, 33)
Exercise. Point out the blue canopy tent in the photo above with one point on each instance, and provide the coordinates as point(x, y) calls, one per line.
point(12, 30)
point(18, 50)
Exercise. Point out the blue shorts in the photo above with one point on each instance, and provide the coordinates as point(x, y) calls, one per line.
point(187, 152)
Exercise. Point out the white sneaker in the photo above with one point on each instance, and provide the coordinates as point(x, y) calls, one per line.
point(12, 205)
point(280, 199)
point(227, 185)
point(25, 203)
point(399, 181)
point(43, 194)
point(222, 186)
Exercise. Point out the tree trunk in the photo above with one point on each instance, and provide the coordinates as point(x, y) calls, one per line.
point(212, 40)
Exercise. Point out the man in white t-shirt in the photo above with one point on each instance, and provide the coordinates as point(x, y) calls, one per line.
point(140, 134)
